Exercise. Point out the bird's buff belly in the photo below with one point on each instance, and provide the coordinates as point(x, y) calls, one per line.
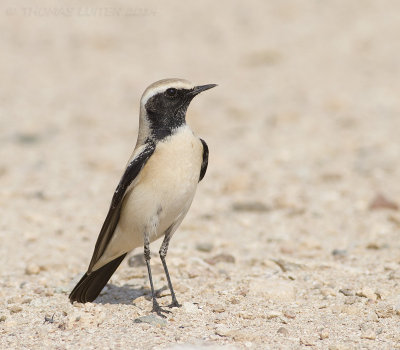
point(160, 198)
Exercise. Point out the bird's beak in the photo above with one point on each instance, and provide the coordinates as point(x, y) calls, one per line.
point(197, 89)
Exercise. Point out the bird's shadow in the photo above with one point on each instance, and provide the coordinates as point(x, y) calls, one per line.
point(125, 294)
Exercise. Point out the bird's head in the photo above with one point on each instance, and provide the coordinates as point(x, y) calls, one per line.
point(164, 103)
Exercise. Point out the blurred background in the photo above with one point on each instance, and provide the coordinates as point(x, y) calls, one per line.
point(303, 128)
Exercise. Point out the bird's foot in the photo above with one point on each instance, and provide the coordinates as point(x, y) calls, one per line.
point(174, 304)
point(159, 310)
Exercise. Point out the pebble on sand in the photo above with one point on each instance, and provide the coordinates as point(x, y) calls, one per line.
point(307, 341)
point(346, 291)
point(218, 308)
point(273, 314)
point(367, 293)
point(222, 330)
point(250, 207)
point(137, 260)
point(15, 309)
point(324, 334)
point(385, 310)
point(204, 247)
point(381, 202)
point(368, 333)
point(152, 319)
point(283, 331)
point(32, 269)
point(289, 314)
point(223, 257)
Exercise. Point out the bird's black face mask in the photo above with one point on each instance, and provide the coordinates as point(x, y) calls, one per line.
point(166, 111)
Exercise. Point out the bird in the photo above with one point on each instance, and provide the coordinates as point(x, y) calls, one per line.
point(155, 191)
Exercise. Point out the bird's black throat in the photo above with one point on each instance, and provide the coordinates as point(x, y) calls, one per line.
point(163, 125)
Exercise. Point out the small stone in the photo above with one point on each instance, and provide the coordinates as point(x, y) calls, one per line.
point(227, 258)
point(381, 294)
point(396, 308)
point(38, 290)
point(370, 302)
point(286, 250)
point(283, 331)
point(100, 318)
point(247, 315)
point(237, 184)
point(49, 319)
point(350, 310)
point(287, 266)
point(14, 300)
point(14, 309)
point(222, 330)
point(27, 138)
point(367, 293)
point(152, 319)
point(373, 246)
point(273, 314)
point(234, 301)
point(381, 202)
point(3, 318)
point(328, 292)
point(181, 288)
point(368, 334)
point(204, 247)
point(372, 317)
point(262, 58)
point(218, 308)
point(32, 269)
point(137, 260)
point(250, 206)
point(324, 334)
point(395, 220)
point(346, 291)
point(289, 314)
point(307, 341)
point(339, 252)
point(384, 311)
point(49, 293)
point(193, 274)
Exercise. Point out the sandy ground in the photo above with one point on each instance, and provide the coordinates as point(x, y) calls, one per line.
point(285, 246)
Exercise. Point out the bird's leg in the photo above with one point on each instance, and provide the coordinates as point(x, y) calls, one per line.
point(163, 254)
point(156, 306)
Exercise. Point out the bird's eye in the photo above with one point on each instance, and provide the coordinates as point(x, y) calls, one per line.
point(171, 92)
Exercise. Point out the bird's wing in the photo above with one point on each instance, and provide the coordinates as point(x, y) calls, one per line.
point(111, 221)
point(204, 164)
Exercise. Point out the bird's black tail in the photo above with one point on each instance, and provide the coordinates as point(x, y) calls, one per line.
point(90, 286)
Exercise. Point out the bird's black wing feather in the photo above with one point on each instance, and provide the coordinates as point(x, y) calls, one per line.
point(92, 282)
point(111, 221)
point(204, 164)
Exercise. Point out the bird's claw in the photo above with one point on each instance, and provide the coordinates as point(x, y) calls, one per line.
point(174, 304)
point(159, 310)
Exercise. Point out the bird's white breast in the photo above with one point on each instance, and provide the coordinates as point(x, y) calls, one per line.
point(161, 194)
